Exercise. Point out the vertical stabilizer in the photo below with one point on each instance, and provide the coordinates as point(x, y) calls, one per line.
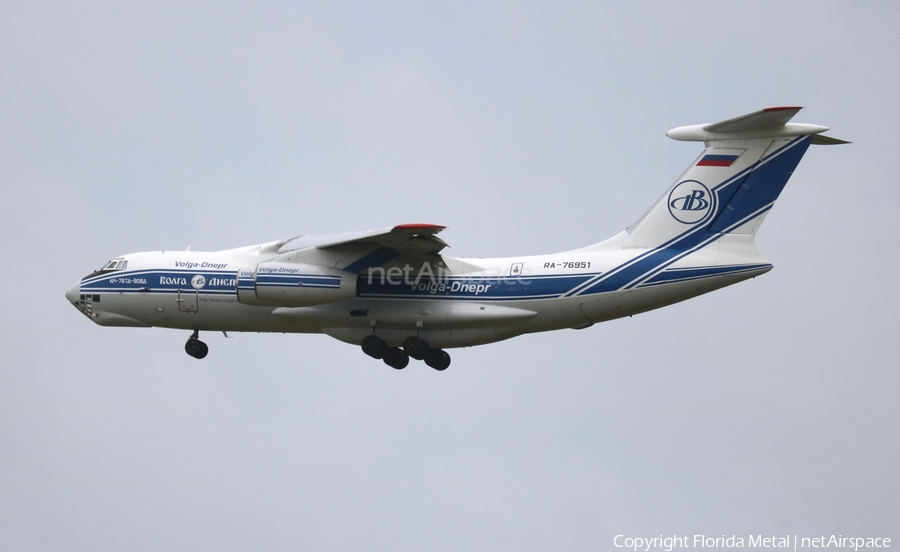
point(731, 186)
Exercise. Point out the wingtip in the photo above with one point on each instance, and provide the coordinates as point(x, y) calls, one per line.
point(420, 226)
point(782, 108)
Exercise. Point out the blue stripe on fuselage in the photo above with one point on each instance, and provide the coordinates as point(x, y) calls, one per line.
point(161, 281)
point(495, 288)
point(695, 273)
point(294, 280)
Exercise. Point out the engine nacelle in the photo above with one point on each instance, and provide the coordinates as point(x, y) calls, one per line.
point(293, 285)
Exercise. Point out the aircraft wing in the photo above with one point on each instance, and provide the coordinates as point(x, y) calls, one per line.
point(416, 242)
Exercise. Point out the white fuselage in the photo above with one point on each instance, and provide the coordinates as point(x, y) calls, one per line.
point(469, 301)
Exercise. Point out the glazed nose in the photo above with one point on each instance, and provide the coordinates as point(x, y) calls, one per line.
point(73, 294)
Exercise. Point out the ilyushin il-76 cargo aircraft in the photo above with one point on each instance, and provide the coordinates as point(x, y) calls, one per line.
point(391, 291)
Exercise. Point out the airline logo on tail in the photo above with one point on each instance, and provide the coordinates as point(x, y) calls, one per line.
point(690, 202)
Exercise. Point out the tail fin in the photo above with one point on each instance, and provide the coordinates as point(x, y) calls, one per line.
point(735, 181)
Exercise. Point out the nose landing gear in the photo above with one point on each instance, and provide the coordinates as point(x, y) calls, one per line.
point(195, 347)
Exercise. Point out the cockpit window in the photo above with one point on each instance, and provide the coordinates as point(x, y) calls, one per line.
point(116, 264)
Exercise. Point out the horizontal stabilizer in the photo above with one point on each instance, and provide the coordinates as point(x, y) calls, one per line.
point(820, 140)
point(771, 122)
point(771, 117)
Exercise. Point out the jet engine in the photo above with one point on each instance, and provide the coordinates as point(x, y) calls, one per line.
point(293, 285)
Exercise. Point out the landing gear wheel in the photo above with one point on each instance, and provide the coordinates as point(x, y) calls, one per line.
point(416, 347)
point(438, 359)
point(374, 346)
point(396, 358)
point(196, 348)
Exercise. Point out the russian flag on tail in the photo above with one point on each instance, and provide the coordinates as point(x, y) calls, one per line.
point(717, 160)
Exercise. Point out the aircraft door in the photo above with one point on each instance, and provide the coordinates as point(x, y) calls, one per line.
point(188, 299)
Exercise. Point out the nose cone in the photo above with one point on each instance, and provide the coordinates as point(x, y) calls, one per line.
point(73, 294)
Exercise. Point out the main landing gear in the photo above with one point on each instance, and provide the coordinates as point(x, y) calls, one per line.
point(195, 347)
point(413, 347)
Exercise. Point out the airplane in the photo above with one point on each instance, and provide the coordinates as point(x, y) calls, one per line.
point(393, 293)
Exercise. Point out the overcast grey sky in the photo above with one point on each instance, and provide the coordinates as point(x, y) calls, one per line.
point(768, 407)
